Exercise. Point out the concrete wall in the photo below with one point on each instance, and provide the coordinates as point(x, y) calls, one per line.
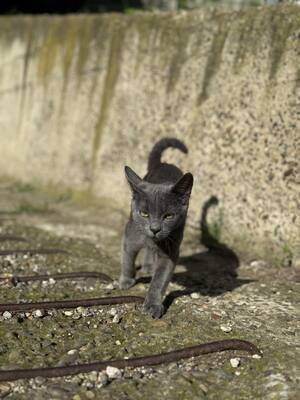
point(80, 96)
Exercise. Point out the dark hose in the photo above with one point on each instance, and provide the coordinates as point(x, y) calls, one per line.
point(155, 359)
point(32, 251)
point(46, 305)
point(58, 277)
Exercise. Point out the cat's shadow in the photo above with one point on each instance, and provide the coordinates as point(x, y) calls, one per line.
point(209, 273)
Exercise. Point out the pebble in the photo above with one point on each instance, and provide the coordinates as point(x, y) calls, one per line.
point(7, 315)
point(93, 376)
point(37, 313)
point(90, 395)
point(235, 362)
point(226, 328)
point(256, 356)
point(116, 319)
point(72, 351)
point(113, 373)
point(113, 312)
point(68, 313)
point(52, 281)
point(102, 379)
point(258, 264)
point(118, 343)
point(195, 295)
point(5, 389)
point(110, 286)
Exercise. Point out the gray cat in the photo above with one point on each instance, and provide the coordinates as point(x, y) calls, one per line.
point(157, 219)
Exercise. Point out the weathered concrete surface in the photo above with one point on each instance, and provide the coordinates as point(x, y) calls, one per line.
point(81, 96)
point(261, 304)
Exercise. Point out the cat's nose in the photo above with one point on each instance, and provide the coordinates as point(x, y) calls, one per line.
point(155, 229)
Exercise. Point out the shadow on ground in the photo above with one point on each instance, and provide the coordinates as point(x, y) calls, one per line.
point(211, 272)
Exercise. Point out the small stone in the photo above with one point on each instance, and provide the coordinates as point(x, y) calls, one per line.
point(113, 373)
point(118, 343)
point(113, 312)
point(116, 319)
point(195, 295)
point(203, 388)
point(102, 378)
point(7, 315)
point(68, 313)
point(5, 389)
point(76, 397)
point(235, 362)
point(52, 281)
point(93, 376)
point(256, 356)
point(237, 373)
point(89, 394)
point(258, 264)
point(72, 351)
point(226, 328)
point(215, 316)
point(39, 381)
point(37, 313)
point(109, 286)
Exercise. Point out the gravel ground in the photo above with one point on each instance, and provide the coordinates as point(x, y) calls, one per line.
point(211, 297)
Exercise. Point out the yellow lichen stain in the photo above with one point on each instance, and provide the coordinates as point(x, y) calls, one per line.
point(30, 40)
point(85, 37)
point(49, 49)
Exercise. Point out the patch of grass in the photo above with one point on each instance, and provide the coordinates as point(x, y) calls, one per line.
point(21, 187)
point(131, 10)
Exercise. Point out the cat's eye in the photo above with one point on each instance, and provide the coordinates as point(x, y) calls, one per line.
point(169, 216)
point(144, 214)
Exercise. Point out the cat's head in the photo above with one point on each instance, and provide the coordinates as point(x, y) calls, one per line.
point(159, 208)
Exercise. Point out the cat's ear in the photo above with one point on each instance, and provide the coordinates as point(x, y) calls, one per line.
point(183, 187)
point(134, 180)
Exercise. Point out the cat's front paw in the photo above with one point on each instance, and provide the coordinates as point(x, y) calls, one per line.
point(155, 310)
point(126, 283)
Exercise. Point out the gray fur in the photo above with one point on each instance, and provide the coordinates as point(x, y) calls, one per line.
point(157, 219)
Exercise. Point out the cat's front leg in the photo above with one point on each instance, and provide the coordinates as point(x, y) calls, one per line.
point(130, 250)
point(149, 259)
point(162, 276)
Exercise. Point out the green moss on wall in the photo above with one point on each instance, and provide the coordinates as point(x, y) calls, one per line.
point(114, 62)
point(214, 57)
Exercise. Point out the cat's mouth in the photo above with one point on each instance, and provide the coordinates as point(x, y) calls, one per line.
point(157, 237)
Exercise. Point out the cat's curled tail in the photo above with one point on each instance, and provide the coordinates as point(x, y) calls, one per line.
point(160, 146)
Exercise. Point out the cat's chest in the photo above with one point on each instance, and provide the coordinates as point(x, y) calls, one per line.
point(151, 245)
